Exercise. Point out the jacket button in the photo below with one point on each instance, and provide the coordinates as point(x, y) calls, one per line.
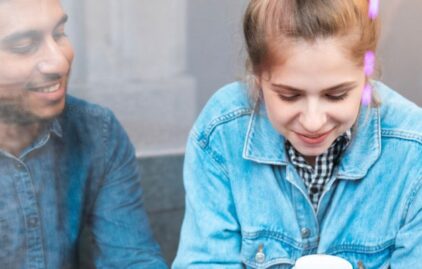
point(305, 232)
point(260, 256)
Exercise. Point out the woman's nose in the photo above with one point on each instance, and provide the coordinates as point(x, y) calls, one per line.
point(313, 118)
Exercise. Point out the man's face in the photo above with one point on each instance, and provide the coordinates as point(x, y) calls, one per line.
point(314, 96)
point(35, 60)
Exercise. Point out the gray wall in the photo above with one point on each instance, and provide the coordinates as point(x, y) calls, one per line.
point(400, 49)
point(215, 44)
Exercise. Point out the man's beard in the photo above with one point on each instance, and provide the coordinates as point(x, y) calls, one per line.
point(14, 112)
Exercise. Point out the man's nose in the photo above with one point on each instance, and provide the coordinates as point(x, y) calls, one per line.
point(313, 118)
point(53, 59)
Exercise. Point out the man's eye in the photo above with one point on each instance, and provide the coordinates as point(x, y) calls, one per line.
point(23, 48)
point(59, 35)
point(289, 98)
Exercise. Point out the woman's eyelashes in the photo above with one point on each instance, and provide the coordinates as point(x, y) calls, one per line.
point(296, 97)
point(289, 98)
point(337, 97)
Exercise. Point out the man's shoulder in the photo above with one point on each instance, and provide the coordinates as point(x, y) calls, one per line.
point(85, 118)
point(76, 107)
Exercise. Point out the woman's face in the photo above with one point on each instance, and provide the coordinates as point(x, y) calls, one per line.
point(314, 95)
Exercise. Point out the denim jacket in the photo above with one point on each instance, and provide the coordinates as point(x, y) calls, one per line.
point(80, 173)
point(247, 207)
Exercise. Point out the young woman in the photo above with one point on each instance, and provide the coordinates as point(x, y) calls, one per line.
point(294, 163)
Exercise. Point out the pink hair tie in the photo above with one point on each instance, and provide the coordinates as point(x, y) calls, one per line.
point(367, 95)
point(369, 70)
point(370, 56)
point(373, 9)
point(369, 63)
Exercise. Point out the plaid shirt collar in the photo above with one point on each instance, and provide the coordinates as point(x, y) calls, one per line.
point(316, 177)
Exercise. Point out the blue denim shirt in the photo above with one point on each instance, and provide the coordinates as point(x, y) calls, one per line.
point(247, 207)
point(81, 172)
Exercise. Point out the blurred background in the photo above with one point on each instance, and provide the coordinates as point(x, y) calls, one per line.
point(156, 63)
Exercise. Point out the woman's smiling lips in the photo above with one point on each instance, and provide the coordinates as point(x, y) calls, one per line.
point(313, 138)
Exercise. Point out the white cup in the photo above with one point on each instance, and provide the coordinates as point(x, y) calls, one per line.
point(322, 261)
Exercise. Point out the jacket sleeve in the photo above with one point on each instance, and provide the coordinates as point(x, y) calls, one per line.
point(210, 236)
point(120, 229)
point(408, 247)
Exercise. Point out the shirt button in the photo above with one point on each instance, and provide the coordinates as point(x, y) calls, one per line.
point(33, 222)
point(305, 232)
point(260, 255)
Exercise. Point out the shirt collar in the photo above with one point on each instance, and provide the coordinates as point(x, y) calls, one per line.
point(263, 144)
point(56, 128)
point(53, 127)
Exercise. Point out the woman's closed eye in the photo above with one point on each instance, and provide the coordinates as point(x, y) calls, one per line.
point(289, 97)
point(330, 97)
point(337, 97)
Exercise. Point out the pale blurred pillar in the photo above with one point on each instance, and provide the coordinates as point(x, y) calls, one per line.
point(131, 57)
point(400, 48)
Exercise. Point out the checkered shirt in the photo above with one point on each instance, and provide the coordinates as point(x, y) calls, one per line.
point(316, 177)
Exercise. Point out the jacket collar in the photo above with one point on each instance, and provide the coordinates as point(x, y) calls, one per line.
point(365, 147)
point(263, 144)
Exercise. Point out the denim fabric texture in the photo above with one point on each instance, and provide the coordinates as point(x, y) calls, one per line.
point(81, 172)
point(247, 207)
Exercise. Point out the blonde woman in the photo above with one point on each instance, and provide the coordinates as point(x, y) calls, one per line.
point(294, 163)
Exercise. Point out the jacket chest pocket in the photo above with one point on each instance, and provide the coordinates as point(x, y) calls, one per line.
point(267, 250)
point(364, 257)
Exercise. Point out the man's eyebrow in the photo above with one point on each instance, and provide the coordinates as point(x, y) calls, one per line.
point(333, 88)
point(30, 33)
point(20, 35)
point(63, 20)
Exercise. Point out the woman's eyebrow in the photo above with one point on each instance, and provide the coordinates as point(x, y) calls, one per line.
point(343, 85)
